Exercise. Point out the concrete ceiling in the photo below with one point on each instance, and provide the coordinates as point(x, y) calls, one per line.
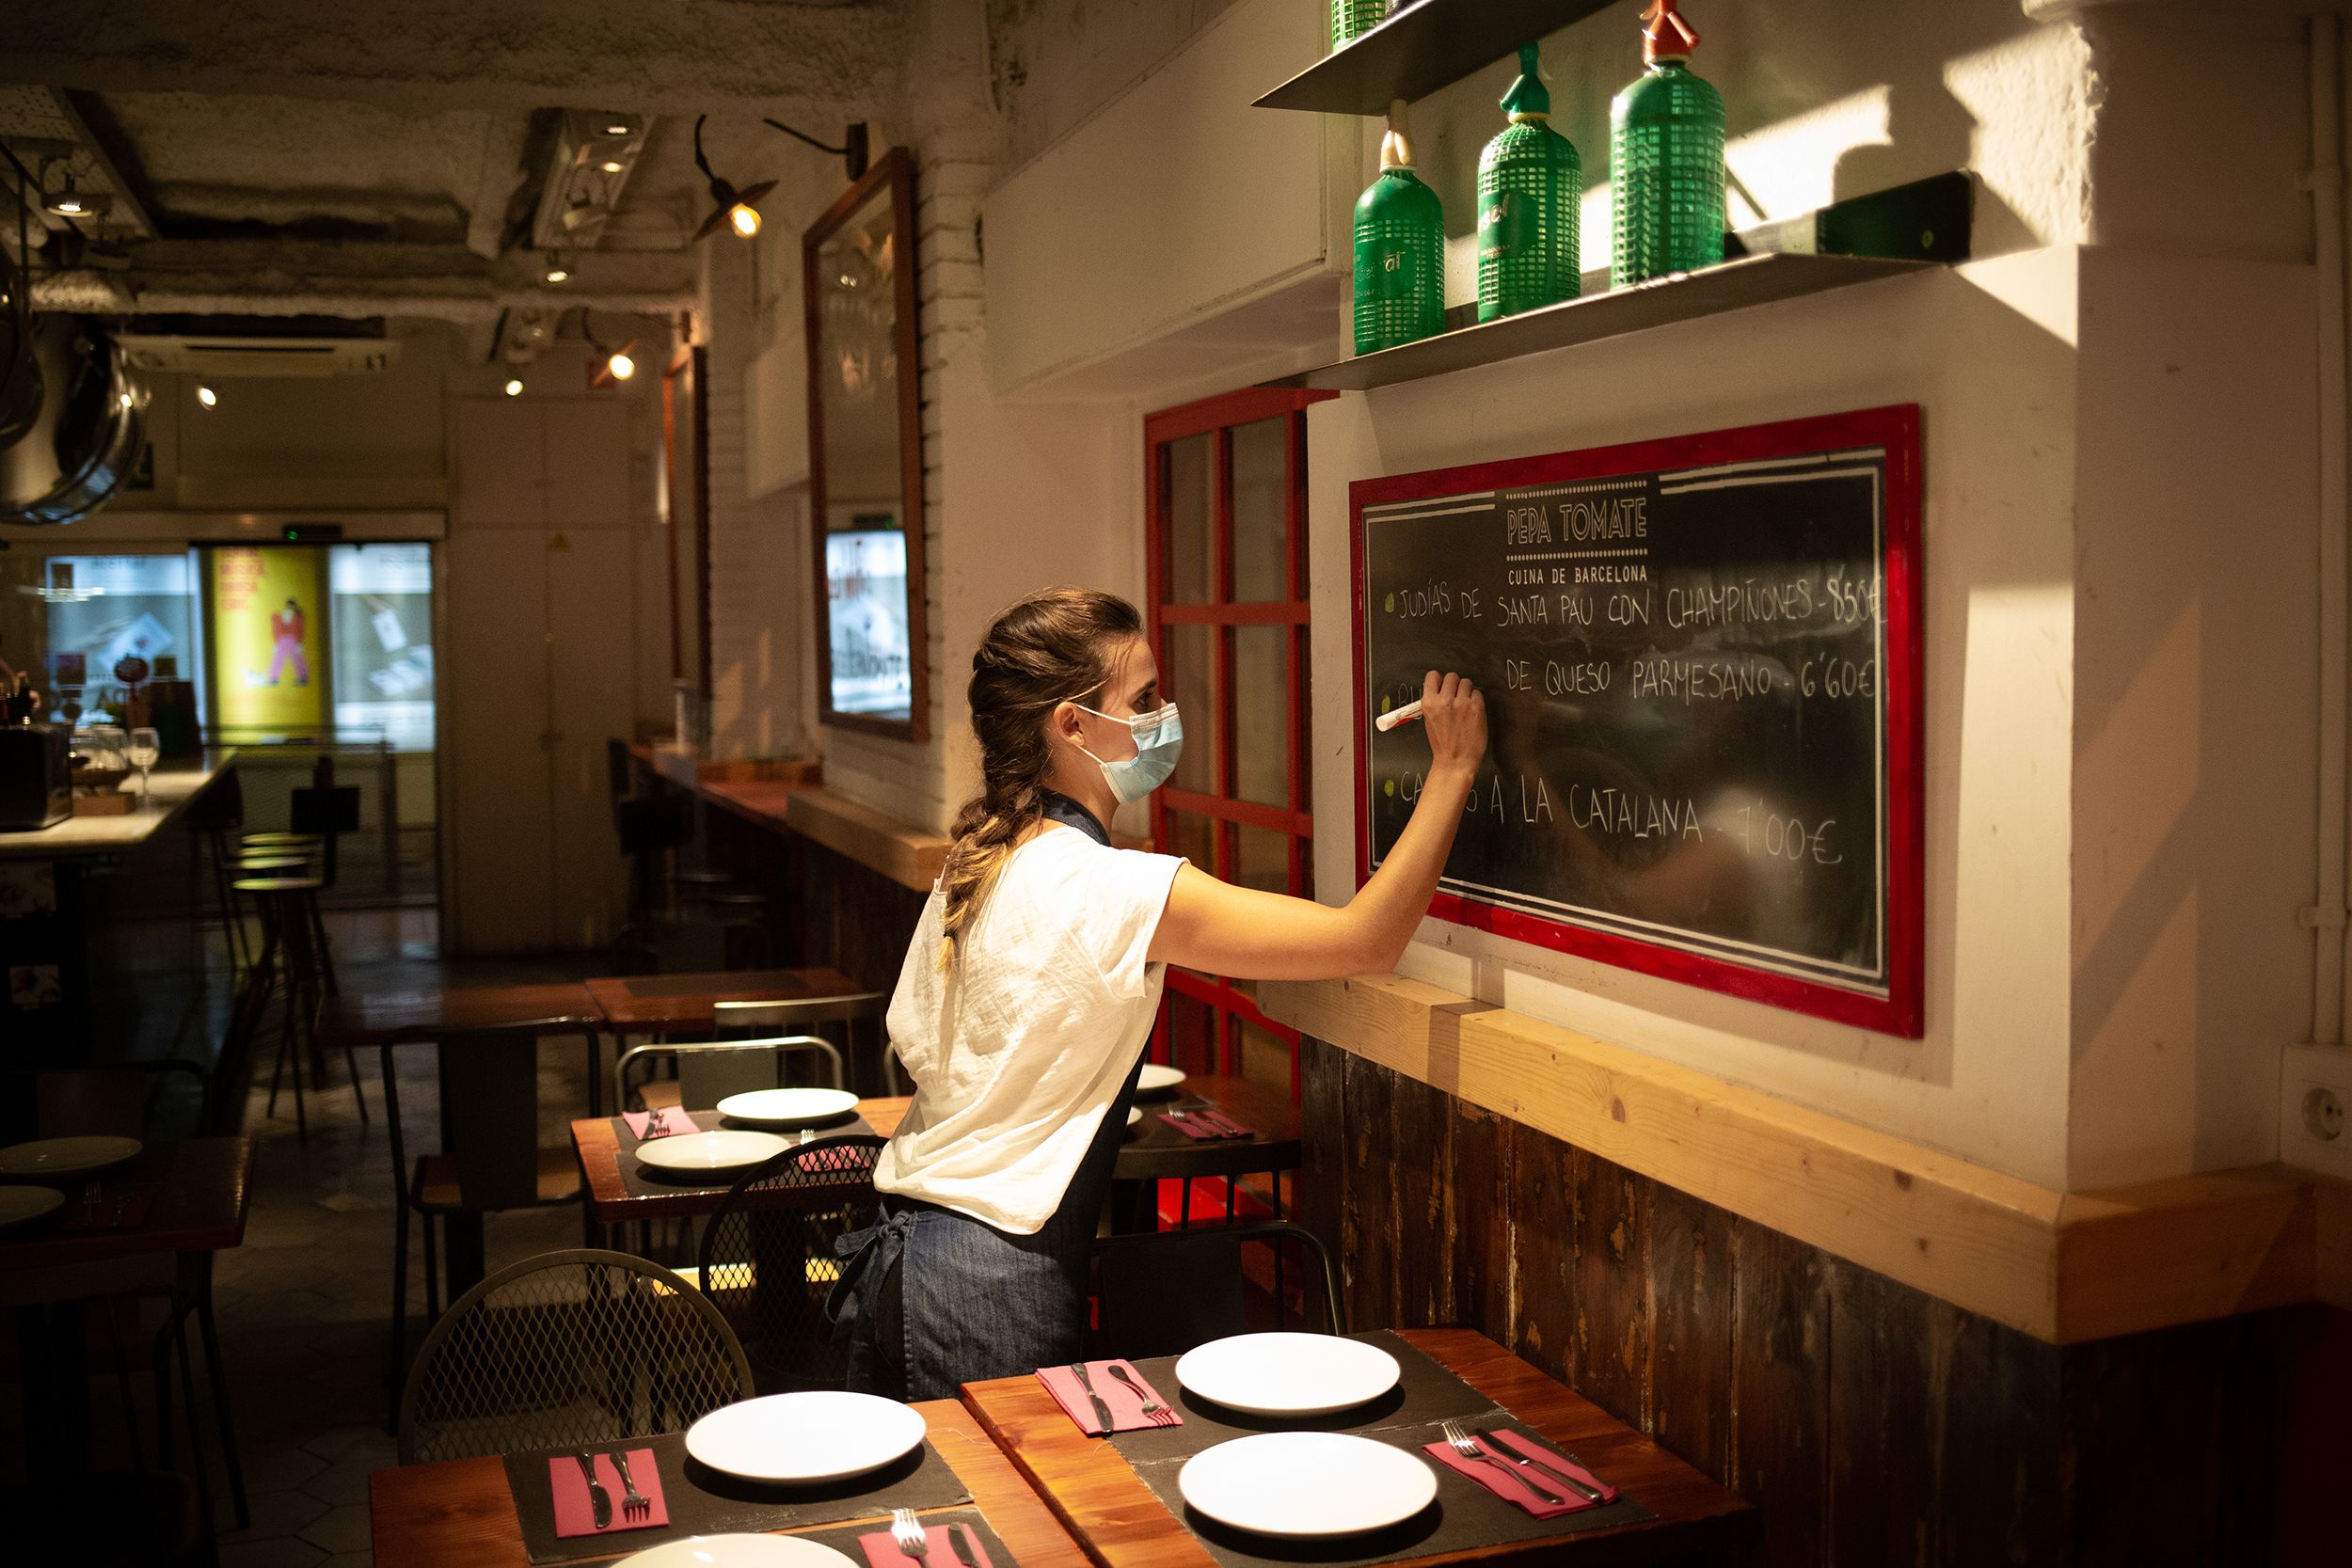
point(285, 156)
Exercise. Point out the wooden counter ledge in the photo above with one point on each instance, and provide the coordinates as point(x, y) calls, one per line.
point(2063, 1267)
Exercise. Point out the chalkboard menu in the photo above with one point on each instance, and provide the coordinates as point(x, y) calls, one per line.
point(1701, 663)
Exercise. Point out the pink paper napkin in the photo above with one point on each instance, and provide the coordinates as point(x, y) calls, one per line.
point(673, 1123)
point(1125, 1405)
point(575, 1515)
point(1492, 1474)
point(1192, 1126)
point(882, 1552)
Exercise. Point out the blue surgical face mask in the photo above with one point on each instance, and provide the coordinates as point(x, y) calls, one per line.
point(1159, 741)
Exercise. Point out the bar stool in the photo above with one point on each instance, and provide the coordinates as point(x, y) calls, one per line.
point(288, 969)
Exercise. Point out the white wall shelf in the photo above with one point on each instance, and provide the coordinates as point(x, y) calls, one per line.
point(1421, 47)
point(1684, 296)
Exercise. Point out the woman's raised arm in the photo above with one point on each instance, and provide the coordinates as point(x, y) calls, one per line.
point(1247, 935)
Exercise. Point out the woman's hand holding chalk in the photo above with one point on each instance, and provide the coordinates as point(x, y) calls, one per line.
point(1387, 722)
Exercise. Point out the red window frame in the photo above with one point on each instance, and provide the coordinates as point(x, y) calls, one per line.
point(1224, 809)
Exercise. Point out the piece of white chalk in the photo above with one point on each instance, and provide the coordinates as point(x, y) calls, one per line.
point(1387, 722)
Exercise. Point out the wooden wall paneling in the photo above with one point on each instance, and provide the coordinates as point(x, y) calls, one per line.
point(1780, 1393)
point(1368, 1228)
point(1609, 1359)
point(2167, 1441)
point(2004, 1493)
point(1427, 1216)
point(1481, 1219)
point(1542, 1249)
point(1322, 1185)
point(1885, 1425)
point(1690, 1300)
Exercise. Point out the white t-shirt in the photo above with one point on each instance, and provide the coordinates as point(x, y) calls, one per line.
point(1019, 1050)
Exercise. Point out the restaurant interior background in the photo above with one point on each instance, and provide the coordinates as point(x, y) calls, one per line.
point(2078, 1221)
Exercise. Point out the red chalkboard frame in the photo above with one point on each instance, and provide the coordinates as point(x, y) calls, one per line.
point(1903, 1011)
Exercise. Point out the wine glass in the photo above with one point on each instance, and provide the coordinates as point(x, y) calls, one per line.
point(147, 747)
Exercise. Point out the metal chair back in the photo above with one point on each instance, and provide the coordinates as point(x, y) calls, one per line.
point(767, 1260)
point(118, 1100)
point(840, 1017)
point(577, 1349)
point(709, 1070)
point(1161, 1292)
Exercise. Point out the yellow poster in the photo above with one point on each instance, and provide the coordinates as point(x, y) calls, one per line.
point(268, 637)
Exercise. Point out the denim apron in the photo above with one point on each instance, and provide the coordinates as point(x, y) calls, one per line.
point(931, 1299)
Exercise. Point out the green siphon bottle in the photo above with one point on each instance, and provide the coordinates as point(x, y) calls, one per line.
point(1531, 184)
point(1400, 250)
point(1666, 159)
point(1352, 19)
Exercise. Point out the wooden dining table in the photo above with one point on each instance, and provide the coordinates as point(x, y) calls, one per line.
point(1121, 1523)
point(461, 1514)
point(658, 1004)
point(602, 1144)
point(201, 1190)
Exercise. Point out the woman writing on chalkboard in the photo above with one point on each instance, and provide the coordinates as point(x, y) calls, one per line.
point(1033, 979)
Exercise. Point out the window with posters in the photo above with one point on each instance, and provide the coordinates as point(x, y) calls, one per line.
point(268, 616)
point(380, 603)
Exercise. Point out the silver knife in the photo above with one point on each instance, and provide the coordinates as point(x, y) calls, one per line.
point(1494, 1446)
point(1101, 1411)
point(955, 1541)
point(1219, 1120)
point(599, 1501)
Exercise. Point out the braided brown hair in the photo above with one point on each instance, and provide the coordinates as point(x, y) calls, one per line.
point(1052, 647)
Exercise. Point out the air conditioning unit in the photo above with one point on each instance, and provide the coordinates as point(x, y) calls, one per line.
point(224, 356)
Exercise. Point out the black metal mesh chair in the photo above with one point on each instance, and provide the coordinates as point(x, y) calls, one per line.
point(579, 1349)
point(1161, 1292)
point(767, 1260)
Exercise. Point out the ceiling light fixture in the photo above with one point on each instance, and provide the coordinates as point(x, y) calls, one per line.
point(618, 363)
point(738, 210)
point(612, 166)
point(514, 386)
point(557, 272)
point(619, 128)
point(73, 203)
point(206, 396)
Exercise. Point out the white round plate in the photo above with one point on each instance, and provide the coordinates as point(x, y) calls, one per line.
point(21, 1205)
point(1134, 1116)
point(1158, 1078)
point(1287, 1374)
point(67, 1156)
point(710, 1154)
point(737, 1551)
point(788, 1107)
point(1307, 1483)
point(821, 1435)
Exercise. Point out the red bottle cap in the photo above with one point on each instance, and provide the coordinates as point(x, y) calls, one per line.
point(1665, 36)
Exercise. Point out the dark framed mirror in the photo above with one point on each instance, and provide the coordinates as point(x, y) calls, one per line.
point(866, 455)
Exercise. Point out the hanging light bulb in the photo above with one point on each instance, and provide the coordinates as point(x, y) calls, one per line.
point(621, 365)
point(738, 210)
point(514, 386)
point(206, 396)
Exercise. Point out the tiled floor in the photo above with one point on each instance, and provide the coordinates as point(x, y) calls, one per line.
point(304, 1303)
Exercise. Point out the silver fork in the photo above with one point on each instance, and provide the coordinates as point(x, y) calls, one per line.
point(654, 1128)
point(1461, 1443)
point(1153, 1411)
point(906, 1533)
point(634, 1504)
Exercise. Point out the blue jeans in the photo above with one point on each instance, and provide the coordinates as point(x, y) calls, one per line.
point(931, 1299)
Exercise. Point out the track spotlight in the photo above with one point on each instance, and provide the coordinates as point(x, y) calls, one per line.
point(514, 386)
point(73, 203)
point(556, 271)
point(738, 210)
point(206, 396)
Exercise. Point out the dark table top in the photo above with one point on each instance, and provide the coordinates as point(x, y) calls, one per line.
point(460, 1515)
point(598, 1141)
point(202, 1188)
point(1123, 1524)
point(646, 1004)
point(385, 1016)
